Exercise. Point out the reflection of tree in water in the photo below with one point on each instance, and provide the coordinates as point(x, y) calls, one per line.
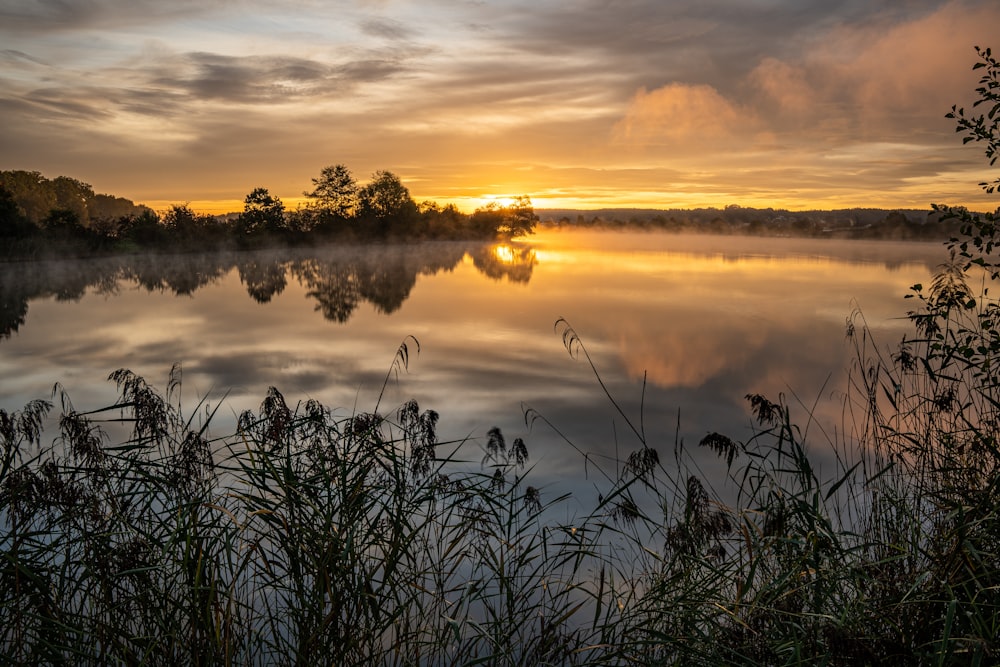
point(380, 275)
point(339, 279)
point(333, 286)
point(70, 280)
point(513, 262)
point(387, 287)
point(13, 307)
point(181, 274)
point(263, 278)
point(387, 276)
point(64, 281)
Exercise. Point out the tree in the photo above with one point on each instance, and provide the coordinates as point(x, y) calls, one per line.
point(73, 195)
point(446, 221)
point(335, 191)
point(386, 203)
point(515, 219)
point(142, 229)
point(12, 223)
point(486, 220)
point(187, 228)
point(109, 207)
point(36, 197)
point(180, 219)
point(262, 213)
point(64, 223)
point(519, 218)
point(980, 236)
point(986, 127)
point(32, 192)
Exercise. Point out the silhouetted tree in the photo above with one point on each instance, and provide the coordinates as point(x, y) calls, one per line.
point(188, 229)
point(109, 207)
point(262, 213)
point(519, 218)
point(486, 220)
point(335, 200)
point(73, 195)
point(13, 224)
point(181, 221)
point(63, 224)
point(32, 192)
point(442, 222)
point(494, 219)
point(143, 229)
point(385, 204)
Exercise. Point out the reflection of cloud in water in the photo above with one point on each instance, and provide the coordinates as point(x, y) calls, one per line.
point(687, 353)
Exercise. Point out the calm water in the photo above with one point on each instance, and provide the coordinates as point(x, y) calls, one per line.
point(706, 319)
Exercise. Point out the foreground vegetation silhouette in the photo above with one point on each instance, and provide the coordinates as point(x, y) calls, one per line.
point(313, 537)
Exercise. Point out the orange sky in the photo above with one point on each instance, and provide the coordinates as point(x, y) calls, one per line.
point(589, 104)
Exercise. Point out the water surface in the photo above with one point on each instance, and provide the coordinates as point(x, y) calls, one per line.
point(704, 320)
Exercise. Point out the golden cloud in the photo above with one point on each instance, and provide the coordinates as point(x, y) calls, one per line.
point(681, 114)
point(859, 83)
point(785, 85)
point(885, 83)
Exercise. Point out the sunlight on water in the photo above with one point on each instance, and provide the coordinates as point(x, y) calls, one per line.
point(504, 253)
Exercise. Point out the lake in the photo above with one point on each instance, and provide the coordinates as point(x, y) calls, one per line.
point(705, 320)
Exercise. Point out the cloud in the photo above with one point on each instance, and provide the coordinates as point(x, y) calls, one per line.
point(901, 80)
point(682, 114)
point(12, 56)
point(857, 107)
point(866, 77)
point(209, 76)
point(784, 85)
point(69, 15)
point(385, 28)
point(56, 104)
point(902, 73)
point(627, 89)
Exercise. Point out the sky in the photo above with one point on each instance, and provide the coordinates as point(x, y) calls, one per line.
point(798, 104)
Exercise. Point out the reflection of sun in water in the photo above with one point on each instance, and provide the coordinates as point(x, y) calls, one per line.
point(504, 253)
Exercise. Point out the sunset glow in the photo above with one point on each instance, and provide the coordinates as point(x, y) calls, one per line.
point(640, 104)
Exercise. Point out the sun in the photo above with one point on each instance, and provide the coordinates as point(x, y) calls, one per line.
point(502, 201)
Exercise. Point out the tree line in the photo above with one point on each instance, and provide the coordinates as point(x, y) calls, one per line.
point(852, 223)
point(41, 216)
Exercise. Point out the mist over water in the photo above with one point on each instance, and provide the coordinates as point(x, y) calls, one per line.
point(702, 321)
